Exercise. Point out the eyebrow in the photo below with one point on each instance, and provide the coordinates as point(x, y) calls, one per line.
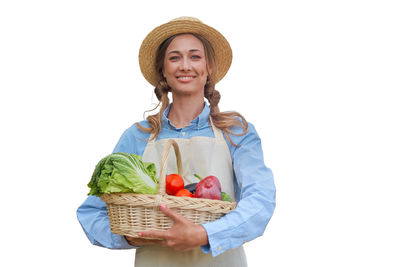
point(178, 52)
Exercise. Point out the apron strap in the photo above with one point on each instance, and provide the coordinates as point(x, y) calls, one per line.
point(151, 140)
point(217, 132)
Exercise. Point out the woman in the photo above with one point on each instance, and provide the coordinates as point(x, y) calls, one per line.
point(187, 58)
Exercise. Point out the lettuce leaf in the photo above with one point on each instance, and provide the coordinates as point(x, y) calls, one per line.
point(123, 173)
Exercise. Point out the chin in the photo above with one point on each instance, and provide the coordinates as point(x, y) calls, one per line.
point(188, 90)
point(185, 92)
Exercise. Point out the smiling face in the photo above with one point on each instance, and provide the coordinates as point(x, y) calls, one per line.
point(185, 65)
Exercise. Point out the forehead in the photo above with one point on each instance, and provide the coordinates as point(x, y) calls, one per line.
point(185, 42)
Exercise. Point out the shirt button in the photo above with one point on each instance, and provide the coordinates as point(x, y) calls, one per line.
point(219, 248)
point(183, 133)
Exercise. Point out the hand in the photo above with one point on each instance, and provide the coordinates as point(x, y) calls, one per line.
point(183, 235)
point(139, 242)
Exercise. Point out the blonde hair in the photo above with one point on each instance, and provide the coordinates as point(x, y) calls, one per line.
point(222, 120)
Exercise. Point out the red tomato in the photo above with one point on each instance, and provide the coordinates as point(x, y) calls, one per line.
point(183, 193)
point(173, 183)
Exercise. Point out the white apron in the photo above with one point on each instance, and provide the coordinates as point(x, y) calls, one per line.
point(203, 156)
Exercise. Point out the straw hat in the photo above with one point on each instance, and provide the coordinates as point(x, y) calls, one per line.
point(148, 49)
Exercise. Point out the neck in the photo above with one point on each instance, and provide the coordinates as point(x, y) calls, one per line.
point(184, 110)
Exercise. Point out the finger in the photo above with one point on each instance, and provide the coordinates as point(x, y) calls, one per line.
point(175, 216)
point(138, 242)
point(132, 241)
point(154, 234)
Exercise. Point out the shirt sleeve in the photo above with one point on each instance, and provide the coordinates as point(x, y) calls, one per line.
point(255, 197)
point(92, 214)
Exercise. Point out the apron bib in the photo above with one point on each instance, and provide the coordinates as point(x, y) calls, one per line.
point(203, 156)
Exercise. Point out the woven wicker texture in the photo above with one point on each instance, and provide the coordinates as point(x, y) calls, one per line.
point(150, 44)
point(131, 213)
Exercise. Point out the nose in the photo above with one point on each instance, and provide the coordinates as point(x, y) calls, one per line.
point(185, 64)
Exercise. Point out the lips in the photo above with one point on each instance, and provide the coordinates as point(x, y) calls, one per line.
point(185, 78)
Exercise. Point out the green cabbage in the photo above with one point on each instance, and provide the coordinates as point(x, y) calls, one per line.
point(123, 173)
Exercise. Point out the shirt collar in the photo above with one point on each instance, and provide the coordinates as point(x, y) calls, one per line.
point(196, 123)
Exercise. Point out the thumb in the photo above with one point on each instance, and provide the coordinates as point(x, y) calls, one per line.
point(176, 217)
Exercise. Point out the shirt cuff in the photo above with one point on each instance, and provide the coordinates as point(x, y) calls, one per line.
point(217, 241)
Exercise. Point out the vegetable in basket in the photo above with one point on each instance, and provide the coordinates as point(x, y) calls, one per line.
point(226, 197)
point(210, 187)
point(183, 193)
point(191, 187)
point(123, 173)
point(173, 183)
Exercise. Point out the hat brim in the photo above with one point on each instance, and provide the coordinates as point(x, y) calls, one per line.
point(148, 49)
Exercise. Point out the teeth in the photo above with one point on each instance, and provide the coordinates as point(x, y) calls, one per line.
point(185, 78)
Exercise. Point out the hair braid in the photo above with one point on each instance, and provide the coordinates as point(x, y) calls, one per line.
point(161, 92)
point(223, 120)
point(212, 95)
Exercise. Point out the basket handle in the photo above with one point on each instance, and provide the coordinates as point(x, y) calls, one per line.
point(164, 161)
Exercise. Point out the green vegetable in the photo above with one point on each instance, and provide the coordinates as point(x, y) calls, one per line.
point(123, 173)
point(198, 176)
point(226, 197)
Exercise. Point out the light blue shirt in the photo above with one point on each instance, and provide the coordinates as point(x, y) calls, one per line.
point(253, 183)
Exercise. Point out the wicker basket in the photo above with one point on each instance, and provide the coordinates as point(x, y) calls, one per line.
point(131, 213)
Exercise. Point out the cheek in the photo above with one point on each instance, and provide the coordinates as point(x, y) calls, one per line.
point(203, 69)
point(203, 73)
point(168, 68)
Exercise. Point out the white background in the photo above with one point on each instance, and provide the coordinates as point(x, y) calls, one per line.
point(319, 80)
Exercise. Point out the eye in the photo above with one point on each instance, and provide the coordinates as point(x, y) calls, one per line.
point(174, 58)
point(196, 57)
